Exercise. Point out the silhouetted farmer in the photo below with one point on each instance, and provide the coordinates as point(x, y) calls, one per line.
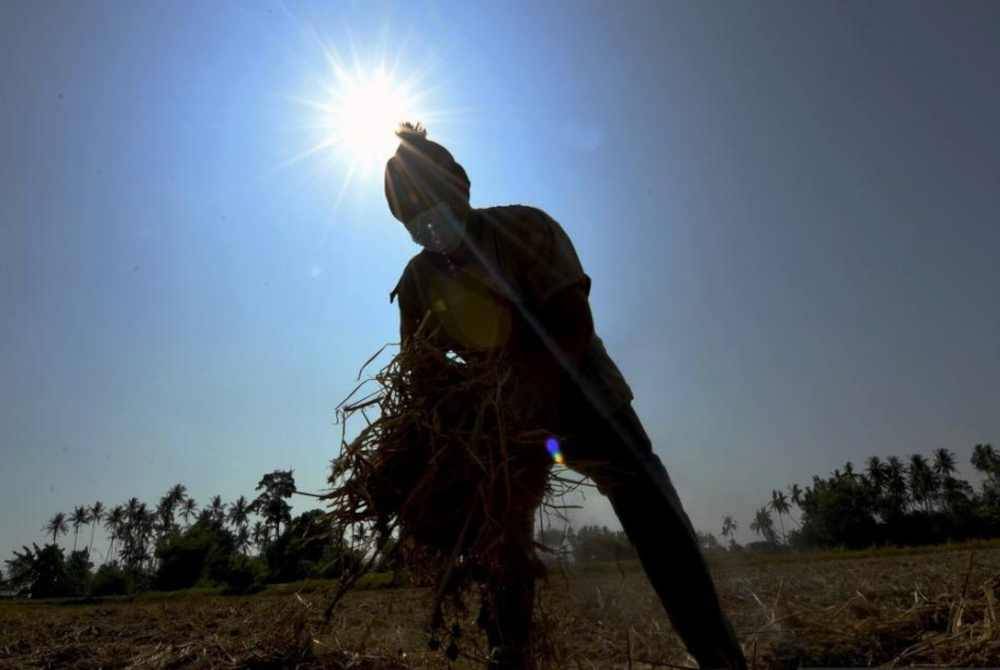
point(508, 279)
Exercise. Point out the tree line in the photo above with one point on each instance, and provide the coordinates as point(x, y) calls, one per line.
point(891, 502)
point(247, 543)
point(589, 543)
point(178, 544)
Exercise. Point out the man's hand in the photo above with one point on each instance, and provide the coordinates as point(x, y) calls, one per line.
point(408, 329)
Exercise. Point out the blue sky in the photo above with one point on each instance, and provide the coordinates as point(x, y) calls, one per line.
point(788, 212)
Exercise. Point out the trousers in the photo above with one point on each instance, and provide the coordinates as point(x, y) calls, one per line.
point(617, 454)
point(614, 450)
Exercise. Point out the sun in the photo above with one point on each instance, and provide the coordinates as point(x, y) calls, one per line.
point(354, 107)
point(364, 114)
point(357, 118)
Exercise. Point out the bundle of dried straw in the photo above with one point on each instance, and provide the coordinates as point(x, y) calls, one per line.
point(451, 462)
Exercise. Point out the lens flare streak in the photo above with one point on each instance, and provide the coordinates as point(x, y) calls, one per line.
point(552, 446)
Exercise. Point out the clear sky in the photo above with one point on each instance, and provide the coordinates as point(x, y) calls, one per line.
point(789, 212)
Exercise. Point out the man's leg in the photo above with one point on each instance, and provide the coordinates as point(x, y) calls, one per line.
point(619, 457)
point(508, 601)
point(506, 616)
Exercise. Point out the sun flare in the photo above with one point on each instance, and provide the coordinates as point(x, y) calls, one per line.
point(355, 107)
point(358, 116)
point(365, 113)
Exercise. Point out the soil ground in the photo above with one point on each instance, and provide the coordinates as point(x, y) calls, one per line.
point(933, 606)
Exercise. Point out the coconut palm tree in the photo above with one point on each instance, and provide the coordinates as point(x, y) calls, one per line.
point(140, 522)
point(239, 512)
point(133, 533)
point(177, 494)
point(956, 494)
point(242, 539)
point(276, 487)
point(165, 516)
point(80, 517)
point(985, 459)
point(260, 534)
point(795, 494)
point(876, 472)
point(897, 496)
point(763, 525)
point(779, 503)
point(133, 507)
point(944, 462)
point(171, 500)
point(876, 479)
point(189, 508)
point(114, 523)
point(56, 526)
point(96, 516)
point(217, 509)
point(148, 529)
point(923, 483)
point(948, 490)
point(729, 530)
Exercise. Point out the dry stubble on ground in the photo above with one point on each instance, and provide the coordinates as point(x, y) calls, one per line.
point(933, 607)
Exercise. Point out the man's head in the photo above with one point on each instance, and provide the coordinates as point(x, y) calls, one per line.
point(422, 179)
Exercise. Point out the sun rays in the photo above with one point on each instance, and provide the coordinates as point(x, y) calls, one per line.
point(357, 109)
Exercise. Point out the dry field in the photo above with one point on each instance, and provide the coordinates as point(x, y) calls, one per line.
point(931, 607)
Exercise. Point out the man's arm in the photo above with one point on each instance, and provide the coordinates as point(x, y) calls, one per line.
point(567, 328)
point(567, 320)
point(407, 327)
point(409, 306)
point(554, 284)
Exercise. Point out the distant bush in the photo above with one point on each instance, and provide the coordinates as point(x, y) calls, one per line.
point(78, 573)
point(337, 559)
point(593, 543)
point(110, 580)
point(202, 553)
point(309, 547)
point(379, 580)
point(40, 573)
point(244, 575)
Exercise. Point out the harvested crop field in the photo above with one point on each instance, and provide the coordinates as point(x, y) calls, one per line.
point(935, 606)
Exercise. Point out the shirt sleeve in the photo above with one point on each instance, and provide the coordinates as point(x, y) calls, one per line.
point(549, 263)
point(407, 294)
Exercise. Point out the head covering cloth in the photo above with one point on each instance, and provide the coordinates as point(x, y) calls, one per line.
point(421, 174)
